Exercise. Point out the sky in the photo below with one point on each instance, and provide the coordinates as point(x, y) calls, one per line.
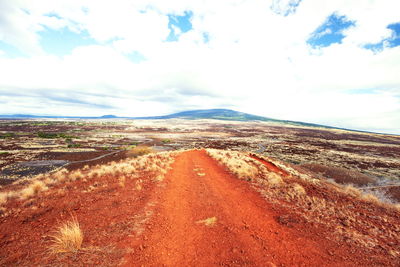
point(328, 62)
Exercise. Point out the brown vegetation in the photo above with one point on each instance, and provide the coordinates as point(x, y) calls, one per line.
point(68, 238)
point(340, 175)
point(139, 151)
point(327, 204)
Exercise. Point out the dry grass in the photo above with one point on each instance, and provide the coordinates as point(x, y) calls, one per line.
point(140, 151)
point(340, 175)
point(121, 181)
point(68, 238)
point(33, 189)
point(300, 192)
point(295, 191)
point(371, 198)
point(298, 189)
point(209, 221)
point(274, 179)
point(332, 209)
point(76, 175)
point(351, 190)
point(5, 196)
point(238, 163)
point(154, 165)
point(2, 211)
point(138, 187)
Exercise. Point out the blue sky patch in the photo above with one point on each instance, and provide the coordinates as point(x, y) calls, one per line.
point(136, 57)
point(285, 7)
point(179, 23)
point(331, 31)
point(10, 51)
point(206, 37)
point(392, 41)
point(62, 42)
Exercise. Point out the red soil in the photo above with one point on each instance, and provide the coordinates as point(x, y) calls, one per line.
point(270, 166)
point(159, 225)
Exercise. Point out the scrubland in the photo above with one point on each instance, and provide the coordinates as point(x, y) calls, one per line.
point(57, 186)
point(342, 208)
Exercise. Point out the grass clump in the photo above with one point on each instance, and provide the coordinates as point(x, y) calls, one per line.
point(68, 238)
point(33, 189)
point(139, 151)
point(237, 163)
point(209, 221)
point(5, 196)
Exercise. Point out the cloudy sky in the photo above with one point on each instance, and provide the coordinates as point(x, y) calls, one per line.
point(321, 61)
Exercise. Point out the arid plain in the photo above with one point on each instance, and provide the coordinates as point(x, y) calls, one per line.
point(197, 192)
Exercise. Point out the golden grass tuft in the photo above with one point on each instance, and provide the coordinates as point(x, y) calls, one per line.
point(2, 211)
point(76, 175)
point(121, 181)
point(274, 178)
point(209, 221)
point(238, 163)
point(33, 189)
point(159, 178)
point(298, 189)
point(4, 196)
point(140, 151)
point(370, 198)
point(68, 238)
point(351, 190)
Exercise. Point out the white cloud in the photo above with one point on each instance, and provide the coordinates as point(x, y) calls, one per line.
point(256, 60)
point(284, 7)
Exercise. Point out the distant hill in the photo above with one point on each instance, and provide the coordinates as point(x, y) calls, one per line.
point(226, 114)
point(217, 114)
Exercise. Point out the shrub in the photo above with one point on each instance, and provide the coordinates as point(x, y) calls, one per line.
point(340, 175)
point(6, 135)
point(47, 135)
point(73, 145)
point(54, 135)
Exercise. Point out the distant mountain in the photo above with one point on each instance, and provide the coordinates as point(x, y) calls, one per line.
point(225, 114)
point(108, 117)
point(217, 114)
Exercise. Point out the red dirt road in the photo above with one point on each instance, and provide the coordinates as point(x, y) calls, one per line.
point(246, 231)
point(148, 222)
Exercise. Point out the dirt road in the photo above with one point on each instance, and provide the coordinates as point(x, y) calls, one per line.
point(206, 217)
